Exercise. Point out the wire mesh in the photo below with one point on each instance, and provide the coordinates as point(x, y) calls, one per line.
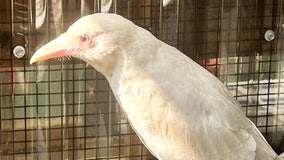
point(64, 109)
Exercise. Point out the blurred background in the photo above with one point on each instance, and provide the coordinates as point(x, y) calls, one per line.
point(64, 109)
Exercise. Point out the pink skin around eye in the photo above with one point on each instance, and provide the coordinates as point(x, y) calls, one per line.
point(85, 38)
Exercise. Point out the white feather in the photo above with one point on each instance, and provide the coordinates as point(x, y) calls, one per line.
point(179, 110)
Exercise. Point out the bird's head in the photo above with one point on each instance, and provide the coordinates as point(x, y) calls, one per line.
point(94, 38)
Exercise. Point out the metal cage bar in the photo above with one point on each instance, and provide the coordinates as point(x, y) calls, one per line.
point(63, 109)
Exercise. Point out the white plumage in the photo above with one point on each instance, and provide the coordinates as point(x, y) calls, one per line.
point(178, 109)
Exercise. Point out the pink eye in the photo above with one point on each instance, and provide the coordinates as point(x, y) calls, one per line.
point(85, 38)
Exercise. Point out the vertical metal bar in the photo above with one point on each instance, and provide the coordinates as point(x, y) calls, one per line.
point(207, 56)
point(195, 34)
point(279, 41)
point(95, 6)
point(272, 47)
point(161, 20)
point(31, 26)
point(239, 24)
point(99, 5)
point(28, 49)
point(11, 66)
point(115, 6)
point(259, 22)
point(97, 136)
point(12, 18)
point(109, 125)
point(178, 21)
point(129, 5)
point(257, 46)
point(85, 111)
point(220, 42)
point(48, 20)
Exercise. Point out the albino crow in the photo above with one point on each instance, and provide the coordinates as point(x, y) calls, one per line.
point(178, 109)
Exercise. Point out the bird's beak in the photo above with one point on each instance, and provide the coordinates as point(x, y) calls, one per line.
point(53, 49)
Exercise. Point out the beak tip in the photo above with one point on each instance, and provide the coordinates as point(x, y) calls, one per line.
point(32, 60)
point(53, 49)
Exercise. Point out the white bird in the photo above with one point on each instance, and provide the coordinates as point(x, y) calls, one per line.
point(178, 109)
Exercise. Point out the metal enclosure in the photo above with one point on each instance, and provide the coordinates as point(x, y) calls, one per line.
point(63, 109)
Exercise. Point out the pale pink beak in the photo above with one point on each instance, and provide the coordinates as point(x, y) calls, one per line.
point(53, 49)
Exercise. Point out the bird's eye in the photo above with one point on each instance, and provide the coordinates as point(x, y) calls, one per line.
point(85, 38)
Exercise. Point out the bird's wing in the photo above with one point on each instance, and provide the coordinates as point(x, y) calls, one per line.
point(209, 116)
point(188, 111)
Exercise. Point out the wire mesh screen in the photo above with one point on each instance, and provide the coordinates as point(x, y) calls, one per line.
point(64, 109)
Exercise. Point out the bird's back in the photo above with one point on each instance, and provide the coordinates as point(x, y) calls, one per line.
point(181, 111)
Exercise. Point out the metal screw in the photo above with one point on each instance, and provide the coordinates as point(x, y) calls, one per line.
point(269, 35)
point(19, 51)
